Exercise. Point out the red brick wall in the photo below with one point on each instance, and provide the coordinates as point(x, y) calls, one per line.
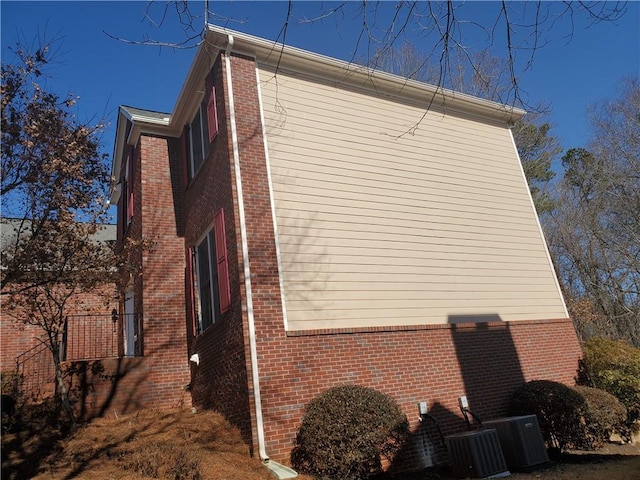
point(160, 287)
point(112, 385)
point(485, 361)
point(264, 274)
point(16, 337)
point(220, 380)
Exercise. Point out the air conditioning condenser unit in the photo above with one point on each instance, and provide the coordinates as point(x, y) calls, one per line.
point(476, 454)
point(521, 441)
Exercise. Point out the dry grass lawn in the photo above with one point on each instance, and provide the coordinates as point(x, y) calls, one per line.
point(150, 444)
point(203, 446)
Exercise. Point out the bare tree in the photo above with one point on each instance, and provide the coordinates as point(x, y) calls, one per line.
point(449, 33)
point(54, 180)
point(595, 231)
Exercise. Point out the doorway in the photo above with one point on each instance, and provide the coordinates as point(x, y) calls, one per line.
point(129, 324)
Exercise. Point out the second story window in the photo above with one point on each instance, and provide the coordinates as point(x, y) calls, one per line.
point(212, 294)
point(197, 135)
point(202, 130)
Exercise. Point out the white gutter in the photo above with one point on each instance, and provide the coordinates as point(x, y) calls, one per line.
point(245, 257)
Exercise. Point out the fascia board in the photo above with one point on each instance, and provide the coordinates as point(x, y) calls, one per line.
point(192, 91)
point(151, 128)
point(139, 124)
point(116, 166)
point(339, 72)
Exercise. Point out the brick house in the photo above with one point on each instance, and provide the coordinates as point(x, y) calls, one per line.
point(91, 330)
point(316, 223)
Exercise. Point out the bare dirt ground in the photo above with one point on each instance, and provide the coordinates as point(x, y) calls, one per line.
point(203, 446)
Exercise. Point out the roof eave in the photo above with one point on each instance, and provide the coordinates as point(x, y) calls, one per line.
point(140, 123)
point(192, 91)
point(286, 58)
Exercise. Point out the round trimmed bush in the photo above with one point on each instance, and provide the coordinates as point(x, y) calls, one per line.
point(559, 409)
point(604, 415)
point(614, 367)
point(345, 431)
point(570, 417)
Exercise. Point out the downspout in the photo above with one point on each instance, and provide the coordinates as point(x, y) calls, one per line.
point(245, 258)
point(277, 470)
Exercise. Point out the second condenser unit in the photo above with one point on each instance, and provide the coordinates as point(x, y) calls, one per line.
point(521, 440)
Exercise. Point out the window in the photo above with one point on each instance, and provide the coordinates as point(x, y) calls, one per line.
point(199, 149)
point(207, 282)
point(202, 130)
point(212, 292)
point(128, 198)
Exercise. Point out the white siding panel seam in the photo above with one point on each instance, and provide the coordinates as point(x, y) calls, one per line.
point(272, 200)
point(541, 232)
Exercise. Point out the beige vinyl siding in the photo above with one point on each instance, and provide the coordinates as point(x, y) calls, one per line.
point(388, 216)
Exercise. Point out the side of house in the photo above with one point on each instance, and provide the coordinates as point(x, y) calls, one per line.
point(318, 224)
point(148, 194)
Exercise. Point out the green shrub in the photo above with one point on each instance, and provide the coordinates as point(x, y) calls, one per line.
point(560, 411)
point(614, 367)
point(345, 431)
point(571, 417)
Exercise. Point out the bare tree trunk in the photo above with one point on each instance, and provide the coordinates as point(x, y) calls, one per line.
point(62, 392)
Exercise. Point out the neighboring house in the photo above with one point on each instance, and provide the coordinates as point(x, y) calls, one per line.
point(92, 331)
point(316, 223)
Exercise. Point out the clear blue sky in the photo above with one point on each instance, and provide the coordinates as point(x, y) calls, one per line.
point(568, 73)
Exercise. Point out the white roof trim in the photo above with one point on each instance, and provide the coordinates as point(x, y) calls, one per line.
point(286, 58)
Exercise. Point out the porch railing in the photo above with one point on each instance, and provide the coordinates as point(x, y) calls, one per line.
point(88, 337)
point(84, 337)
point(35, 373)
